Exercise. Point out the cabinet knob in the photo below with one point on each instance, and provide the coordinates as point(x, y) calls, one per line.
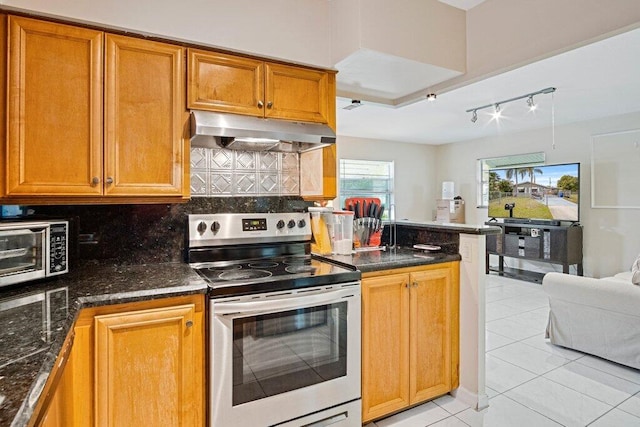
point(95, 181)
point(406, 285)
point(269, 104)
point(189, 323)
point(415, 284)
point(260, 104)
point(109, 180)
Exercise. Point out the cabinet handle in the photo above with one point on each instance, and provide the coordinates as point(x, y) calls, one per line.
point(109, 180)
point(189, 323)
point(415, 284)
point(406, 285)
point(269, 104)
point(260, 104)
point(95, 181)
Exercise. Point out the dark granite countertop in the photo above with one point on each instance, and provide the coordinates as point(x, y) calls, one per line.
point(29, 345)
point(391, 258)
point(458, 228)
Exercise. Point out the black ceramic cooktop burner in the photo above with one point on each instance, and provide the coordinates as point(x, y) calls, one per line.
point(263, 264)
point(302, 268)
point(225, 267)
point(297, 261)
point(244, 274)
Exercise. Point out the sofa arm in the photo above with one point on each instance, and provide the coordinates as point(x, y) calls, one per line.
point(607, 294)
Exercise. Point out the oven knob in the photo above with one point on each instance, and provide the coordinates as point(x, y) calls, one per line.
point(202, 227)
point(291, 223)
point(215, 227)
point(302, 223)
point(280, 224)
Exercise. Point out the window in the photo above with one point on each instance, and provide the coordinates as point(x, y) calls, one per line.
point(367, 178)
point(485, 165)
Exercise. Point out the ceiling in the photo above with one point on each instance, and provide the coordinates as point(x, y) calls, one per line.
point(593, 81)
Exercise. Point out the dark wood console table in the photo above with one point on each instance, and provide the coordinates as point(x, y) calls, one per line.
point(556, 244)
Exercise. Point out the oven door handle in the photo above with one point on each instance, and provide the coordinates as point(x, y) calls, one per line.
point(268, 306)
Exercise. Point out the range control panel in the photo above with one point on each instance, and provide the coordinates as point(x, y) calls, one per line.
point(248, 228)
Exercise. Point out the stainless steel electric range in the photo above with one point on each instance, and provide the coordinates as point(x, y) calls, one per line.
point(284, 325)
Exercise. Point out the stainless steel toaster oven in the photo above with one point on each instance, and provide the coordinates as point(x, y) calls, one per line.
point(32, 250)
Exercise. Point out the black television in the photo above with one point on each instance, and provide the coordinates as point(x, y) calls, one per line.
point(545, 193)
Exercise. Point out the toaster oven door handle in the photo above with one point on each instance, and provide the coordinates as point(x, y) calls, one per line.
point(270, 305)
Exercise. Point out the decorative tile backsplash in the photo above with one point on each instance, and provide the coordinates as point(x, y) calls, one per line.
point(223, 172)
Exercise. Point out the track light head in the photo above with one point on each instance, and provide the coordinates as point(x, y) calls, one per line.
point(474, 117)
point(497, 113)
point(532, 106)
point(355, 103)
point(431, 97)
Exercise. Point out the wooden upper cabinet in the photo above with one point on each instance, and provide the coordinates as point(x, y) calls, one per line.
point(89, 121)
point(144, 91)
point(225, 83)
point(54, 133)
point(233, 84)
point(296, 93)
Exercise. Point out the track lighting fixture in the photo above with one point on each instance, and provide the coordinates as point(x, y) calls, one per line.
point(496, 105)
point(496, 112)
point(355, 103)
point(431, 97)
point(532, 106)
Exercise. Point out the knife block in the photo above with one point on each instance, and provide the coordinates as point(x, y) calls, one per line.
point(364, 226)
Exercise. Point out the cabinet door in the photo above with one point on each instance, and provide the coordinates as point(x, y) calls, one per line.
point(294, 93)
point(145, 145)
point(318, 174)
point(148, 367)
point(72, 405)
point(385, 345)
point(54, 132)
point(225, 83)
point(431, 334)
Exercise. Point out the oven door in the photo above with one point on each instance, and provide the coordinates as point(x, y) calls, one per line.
point(284, 355)
point(22, 252)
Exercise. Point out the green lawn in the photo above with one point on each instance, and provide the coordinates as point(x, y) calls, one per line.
point(525, 208)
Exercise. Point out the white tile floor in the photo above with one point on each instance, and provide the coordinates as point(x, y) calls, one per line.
point(530, 382)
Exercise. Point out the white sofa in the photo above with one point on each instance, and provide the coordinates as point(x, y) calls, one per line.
point(595, 316)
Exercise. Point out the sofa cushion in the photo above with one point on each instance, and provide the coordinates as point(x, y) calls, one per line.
point(625, 275)
point(635, 271)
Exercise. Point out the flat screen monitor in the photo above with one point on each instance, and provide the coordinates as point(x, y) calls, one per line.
point(547, 192)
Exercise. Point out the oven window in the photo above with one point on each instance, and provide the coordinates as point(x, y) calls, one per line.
point(285, 351)
point(20, 251)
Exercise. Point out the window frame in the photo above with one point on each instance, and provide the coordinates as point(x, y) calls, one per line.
point(386, 197)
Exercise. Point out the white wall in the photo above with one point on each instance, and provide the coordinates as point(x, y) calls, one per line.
point(507, 34)
point(415, 172)
point(292, 30)
point(611, 236)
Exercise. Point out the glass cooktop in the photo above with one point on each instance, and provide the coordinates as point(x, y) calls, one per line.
point(270, 274)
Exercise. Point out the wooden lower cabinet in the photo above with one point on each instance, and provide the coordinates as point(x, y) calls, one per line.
point(135, 364)
point(410, 337)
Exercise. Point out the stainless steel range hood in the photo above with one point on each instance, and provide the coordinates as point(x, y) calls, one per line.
point(209, 129)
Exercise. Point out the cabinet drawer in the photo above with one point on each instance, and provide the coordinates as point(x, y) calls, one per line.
point(521, 246)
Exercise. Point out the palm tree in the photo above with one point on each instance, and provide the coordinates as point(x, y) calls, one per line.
point(513, 174)
point(532, 171)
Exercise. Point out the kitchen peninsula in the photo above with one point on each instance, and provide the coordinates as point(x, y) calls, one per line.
point(423, 316)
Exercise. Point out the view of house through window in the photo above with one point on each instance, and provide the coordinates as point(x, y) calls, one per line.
point(525, 164)
point(366, 178)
